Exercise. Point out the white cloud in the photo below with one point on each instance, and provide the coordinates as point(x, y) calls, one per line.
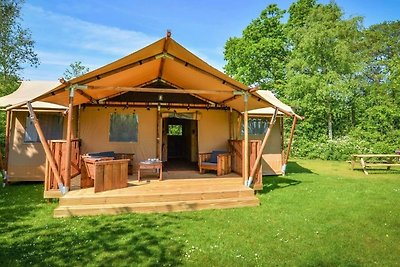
point(81, 34)
point(61, 40)
point(58, 58)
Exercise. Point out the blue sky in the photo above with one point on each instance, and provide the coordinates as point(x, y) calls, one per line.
point(98, 32)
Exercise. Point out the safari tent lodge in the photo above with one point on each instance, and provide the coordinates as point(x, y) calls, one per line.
point(157, 130)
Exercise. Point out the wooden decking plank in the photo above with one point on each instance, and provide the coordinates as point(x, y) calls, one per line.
point(159, 196)
point(175, 206)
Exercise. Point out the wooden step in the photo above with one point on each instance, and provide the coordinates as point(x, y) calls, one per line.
point(153, 196)
point(173, 206)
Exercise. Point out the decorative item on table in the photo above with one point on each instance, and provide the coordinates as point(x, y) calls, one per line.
point(151, 161)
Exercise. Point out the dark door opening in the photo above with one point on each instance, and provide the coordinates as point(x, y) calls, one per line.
point(180, 143)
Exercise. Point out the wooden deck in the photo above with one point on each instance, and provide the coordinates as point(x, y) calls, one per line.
point(175, 193)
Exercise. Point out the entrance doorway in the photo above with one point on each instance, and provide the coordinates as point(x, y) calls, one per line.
point(179, 144)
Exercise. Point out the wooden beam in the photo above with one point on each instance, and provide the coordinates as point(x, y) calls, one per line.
point(162, 63)
point(246, 139)
point(82, 93)
point(230, 99)
point(101, 75)
point(67, 164)
point(159, 134)
point(9, 117)
point(159, 90)
point(173, 87)
point(178, 87)
point(260, 152)
point(46, 148)
point(289, 145)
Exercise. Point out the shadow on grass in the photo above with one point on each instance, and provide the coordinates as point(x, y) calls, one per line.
point(294, 167)
point(30, 236)
point(18, 200)
point(276, 182)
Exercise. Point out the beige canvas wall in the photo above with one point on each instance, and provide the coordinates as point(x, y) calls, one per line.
point(26, 161)
point(95, 125)
point(213, 130)
point(272, 156)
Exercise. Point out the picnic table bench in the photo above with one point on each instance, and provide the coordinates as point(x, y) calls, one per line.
point(375, 160)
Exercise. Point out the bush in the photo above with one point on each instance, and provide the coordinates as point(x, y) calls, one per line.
point(339, 149)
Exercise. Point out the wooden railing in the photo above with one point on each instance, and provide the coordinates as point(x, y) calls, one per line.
point(237, 151)
point(58, 148)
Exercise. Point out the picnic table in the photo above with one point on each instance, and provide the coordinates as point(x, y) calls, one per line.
point(375, 160)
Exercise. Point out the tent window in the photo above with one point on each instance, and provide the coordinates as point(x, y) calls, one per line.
point(51, 124)
point(175, 130)
point(257, 126)
point(123, 128)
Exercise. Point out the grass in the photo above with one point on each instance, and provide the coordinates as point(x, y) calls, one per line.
point(321, 214)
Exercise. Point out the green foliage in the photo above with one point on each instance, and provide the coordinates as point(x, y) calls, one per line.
point(16, 52)
point(320, 214)
point(344, 79)
point(74, 70)
point(16, 44)
point(259, 55)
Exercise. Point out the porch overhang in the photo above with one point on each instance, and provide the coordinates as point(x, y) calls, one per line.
point(164, 62)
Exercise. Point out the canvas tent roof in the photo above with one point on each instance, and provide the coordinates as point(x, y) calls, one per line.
point(263, 111)
point(164, 61)
point(29, 90)
point(274, 101)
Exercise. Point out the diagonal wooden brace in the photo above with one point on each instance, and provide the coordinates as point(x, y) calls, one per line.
point(46, 148)
point(264, 142)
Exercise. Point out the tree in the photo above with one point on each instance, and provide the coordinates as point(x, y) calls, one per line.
point(343, 78)
point(322, 63)
point(74, 70)
point(16, 50)
point(379, 97)
point(258, 57)
point(16, 44)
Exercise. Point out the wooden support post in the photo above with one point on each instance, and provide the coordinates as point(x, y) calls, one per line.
point(289, 145)
point(159, 134)
point(46, 148)
point(67, 171)
point(260, 152)
point(7, 141)
point(246, 139)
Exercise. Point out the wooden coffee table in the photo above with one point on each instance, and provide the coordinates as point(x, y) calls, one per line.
point(150, 166)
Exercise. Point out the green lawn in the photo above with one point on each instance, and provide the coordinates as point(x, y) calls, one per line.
point(321, 214)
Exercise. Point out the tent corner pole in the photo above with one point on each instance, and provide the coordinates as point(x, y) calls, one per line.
point(246, 139)
point(289, 145)
point(67, 171)
point(7, 137)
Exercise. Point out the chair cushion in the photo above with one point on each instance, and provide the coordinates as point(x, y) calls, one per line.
point(208, 163)
point(102, 154)
point(214, 154)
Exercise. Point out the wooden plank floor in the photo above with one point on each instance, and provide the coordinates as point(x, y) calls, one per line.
point(174, 193)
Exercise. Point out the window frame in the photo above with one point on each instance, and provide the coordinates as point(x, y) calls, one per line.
point(52, 131)
point(116, 136)
point(264, 119)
